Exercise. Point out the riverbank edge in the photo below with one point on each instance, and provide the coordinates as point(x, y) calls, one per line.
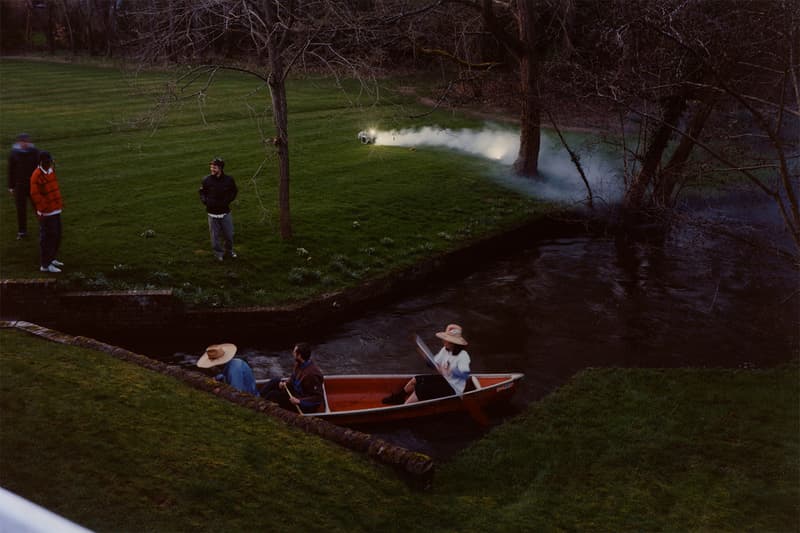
point(417, 467)
point(562, 464)
point(161, 315)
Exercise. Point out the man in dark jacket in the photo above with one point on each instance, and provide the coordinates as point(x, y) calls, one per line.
point(22, 162)
point(303, 389)
point(217, 192)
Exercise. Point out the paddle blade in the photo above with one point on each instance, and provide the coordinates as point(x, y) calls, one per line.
point(424, 351)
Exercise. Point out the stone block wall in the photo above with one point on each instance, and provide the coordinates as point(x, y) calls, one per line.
point(106, 312)
point(29, 298)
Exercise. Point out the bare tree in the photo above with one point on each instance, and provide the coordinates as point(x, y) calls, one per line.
point(529, 33)
point(683, 67)
point(280, 34)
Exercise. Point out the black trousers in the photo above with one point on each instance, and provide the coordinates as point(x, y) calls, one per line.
point(49, 238)
point(21, 199)
point(273, 393)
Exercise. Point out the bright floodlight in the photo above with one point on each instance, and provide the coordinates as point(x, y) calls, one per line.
point(367, 136)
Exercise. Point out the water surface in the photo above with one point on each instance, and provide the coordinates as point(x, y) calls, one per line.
point(697, 299)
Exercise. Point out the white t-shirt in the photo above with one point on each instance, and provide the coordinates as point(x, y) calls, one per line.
point(455, 368)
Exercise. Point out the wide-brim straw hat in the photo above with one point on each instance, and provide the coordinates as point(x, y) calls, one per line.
point(217, 354)
point(453, 333)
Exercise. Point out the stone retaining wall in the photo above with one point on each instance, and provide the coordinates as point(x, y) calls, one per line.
point(143, 319)
point(418, 467)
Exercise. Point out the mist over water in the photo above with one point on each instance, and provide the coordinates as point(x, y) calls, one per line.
point(559, 180)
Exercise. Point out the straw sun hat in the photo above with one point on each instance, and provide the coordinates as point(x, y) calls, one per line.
point(452, 333)
point(217, 354)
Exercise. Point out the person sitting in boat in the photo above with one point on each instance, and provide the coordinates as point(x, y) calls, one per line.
point(452, 363)
point(303, 389)
point(235, 372)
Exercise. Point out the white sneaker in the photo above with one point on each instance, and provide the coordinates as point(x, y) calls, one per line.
point(50, 268)
point(57, 263)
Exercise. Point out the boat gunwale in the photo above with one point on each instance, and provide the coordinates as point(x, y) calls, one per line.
point(512, 378)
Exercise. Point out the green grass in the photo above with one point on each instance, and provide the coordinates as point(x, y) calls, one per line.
point(119, 448)
point(132, 216)
point(642, 450)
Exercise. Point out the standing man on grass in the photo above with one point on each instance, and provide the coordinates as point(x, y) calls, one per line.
point(21, 163)
point(217, 192)
point(46, 197)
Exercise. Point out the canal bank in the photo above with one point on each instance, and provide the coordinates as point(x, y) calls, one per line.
point(139, 318)
point(419, 468)
point(117, 448)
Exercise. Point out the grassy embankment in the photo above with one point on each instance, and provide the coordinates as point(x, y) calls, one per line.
point(133, 218)
point(118, 448)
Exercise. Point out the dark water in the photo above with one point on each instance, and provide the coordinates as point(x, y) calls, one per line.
point(699, 299)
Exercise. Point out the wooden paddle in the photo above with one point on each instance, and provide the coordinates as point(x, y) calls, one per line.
point(472, 408)
point(286, 388)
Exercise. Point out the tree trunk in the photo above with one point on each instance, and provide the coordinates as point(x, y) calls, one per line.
point(527, 163)
point(277, 89)
point(670, 175)
point(68, 24)
point(88, 26)
point(673, 108)
point(111, 27)
point(28, 30)
point(51, 30)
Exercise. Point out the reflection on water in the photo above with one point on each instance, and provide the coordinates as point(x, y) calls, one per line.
point(562, 306)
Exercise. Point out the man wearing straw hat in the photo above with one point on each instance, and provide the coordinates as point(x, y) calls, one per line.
point(235, 372)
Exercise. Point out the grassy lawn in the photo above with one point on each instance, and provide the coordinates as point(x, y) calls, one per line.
point(118, 448)
point(642, 450)
point(129, 176)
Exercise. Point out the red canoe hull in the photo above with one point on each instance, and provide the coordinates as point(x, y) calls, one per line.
point(356, 399)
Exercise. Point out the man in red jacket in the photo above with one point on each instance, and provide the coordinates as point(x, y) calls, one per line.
point(46, 197)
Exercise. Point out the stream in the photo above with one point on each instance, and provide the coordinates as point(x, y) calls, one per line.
point(697, 299)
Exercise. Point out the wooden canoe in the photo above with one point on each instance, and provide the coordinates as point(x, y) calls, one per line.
point(356, 399)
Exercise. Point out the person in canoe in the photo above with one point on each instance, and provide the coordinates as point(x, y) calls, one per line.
point(235, 372)
point(303, 389)
point(452, 362)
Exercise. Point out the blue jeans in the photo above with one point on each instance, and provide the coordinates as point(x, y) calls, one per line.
point(49, 238)
point(221, 230)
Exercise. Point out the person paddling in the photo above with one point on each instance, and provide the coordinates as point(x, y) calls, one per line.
point(303, 390)
point(453, 364)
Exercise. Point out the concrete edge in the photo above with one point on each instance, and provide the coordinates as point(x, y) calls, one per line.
point(419, 467)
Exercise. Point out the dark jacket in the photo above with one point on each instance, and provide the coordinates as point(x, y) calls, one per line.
point(21, 164)
point(217, 193)
point(306, 382)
